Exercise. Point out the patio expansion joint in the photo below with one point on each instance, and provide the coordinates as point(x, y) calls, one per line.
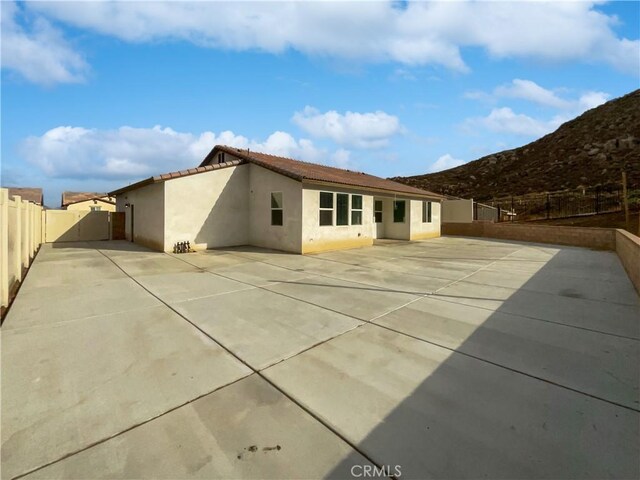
point(253, 370)
point(434, 295)
point(128, 429)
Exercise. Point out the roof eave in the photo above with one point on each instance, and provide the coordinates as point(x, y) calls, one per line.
point(432, 196)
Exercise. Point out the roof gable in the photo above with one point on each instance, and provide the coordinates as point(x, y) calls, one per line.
point(305, 171)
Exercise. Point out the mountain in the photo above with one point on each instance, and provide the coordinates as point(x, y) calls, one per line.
point(588, 151)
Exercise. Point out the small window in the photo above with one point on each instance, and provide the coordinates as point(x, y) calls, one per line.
point(95, 208)
point(221, 157)
point(276, 208)
point(426, 212)
point(377, 211)
point(326, 208)
point(342, 209)
point(398, 211)
point(356, 209)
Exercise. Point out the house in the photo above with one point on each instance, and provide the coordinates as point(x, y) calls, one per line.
point(33, 195)
point(88, 201)
point(239, 197)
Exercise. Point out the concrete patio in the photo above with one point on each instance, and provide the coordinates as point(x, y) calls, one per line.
point(448, 358)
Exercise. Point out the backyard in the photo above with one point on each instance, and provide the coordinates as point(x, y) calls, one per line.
point(453, 357)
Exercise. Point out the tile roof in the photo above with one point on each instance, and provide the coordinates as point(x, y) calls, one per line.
point(296, 169)
point(26, 193)
point(74, 197)
point(302, 171)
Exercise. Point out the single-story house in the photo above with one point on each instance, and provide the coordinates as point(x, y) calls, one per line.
point(88, 201)
point(240, 197)
point(30, 194)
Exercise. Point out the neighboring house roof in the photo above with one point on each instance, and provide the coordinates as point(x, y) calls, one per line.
point(31, 194)
point(69, 198)
point(296, 169)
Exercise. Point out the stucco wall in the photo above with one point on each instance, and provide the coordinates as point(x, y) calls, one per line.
point(420, 230)
point(628, 249)
point(316, 238)
point(208, 209)
point(148, 202)
point(457, 211)
point(261, 233)
point(86, 206)
point(396, 231)
point(76, 226)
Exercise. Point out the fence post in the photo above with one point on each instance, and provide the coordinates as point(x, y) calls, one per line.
point(24, 205)
point(17, 256)
point(4, 247)
point(627, 219)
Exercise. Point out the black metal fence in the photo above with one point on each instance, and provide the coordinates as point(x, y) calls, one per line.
point(561, 204)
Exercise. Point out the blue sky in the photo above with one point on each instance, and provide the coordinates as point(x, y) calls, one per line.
point(96, 95)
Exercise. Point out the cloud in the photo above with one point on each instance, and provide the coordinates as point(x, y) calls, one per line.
point(505, 120)
point(421, 33)
point(38, 52)
point(361, 130)
point(532, 92)
point(445, 162)
point(128, 153)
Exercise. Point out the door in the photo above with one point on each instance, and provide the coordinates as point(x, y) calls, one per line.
point(132, 223)
point(377, 217)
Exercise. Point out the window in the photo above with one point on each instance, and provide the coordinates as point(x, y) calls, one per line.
point(95, 208)
point(342, 209)
point(276, 208)
point(326, 208)
point(356, 209)
point(377, 211)
point(221, 157)
point(398, 211)
point(426, 212)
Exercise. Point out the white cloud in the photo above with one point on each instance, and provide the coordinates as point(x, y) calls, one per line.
point(422, 33)
point(129, 153)
point(445, 162)
point(341, 158)
point(362, 130)
point(505, 120)
point(38, 53)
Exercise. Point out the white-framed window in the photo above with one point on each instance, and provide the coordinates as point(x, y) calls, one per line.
point(276, 209)
point(95, 208)
point(326, 209)
point(426, 212)
point(377, 211)
point(342, 209)
point(399, 211)
point(356, 209)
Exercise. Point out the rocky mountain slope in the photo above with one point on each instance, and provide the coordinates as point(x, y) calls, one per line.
point(589, 151)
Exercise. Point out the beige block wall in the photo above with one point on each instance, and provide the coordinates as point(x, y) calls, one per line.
point(628, 250)
point(208, 209)
point(601, 238)
point(148, 213)
point(457, 211)
point(422, 230)
point(76, 226)
point(287, 237)
point(316, 238)
point(86, 206)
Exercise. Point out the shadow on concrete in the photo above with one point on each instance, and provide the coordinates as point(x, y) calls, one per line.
point(517, 414)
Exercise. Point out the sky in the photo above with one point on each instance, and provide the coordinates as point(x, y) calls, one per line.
point(97, 95)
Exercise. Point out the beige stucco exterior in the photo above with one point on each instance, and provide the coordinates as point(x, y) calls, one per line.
point(457, 211)
point(144, 211)
point(103, 203)
point(209, 210)
point(75, 226)
point(231, 206)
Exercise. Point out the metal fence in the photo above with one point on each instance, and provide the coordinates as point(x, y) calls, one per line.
point(562, 204)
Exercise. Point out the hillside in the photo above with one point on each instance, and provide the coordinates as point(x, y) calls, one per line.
point(588, 151)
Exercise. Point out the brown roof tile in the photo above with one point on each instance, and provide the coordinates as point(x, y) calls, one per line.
point(27, 193)
point(296, 169)
point(74, 197)
point(301, 171)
